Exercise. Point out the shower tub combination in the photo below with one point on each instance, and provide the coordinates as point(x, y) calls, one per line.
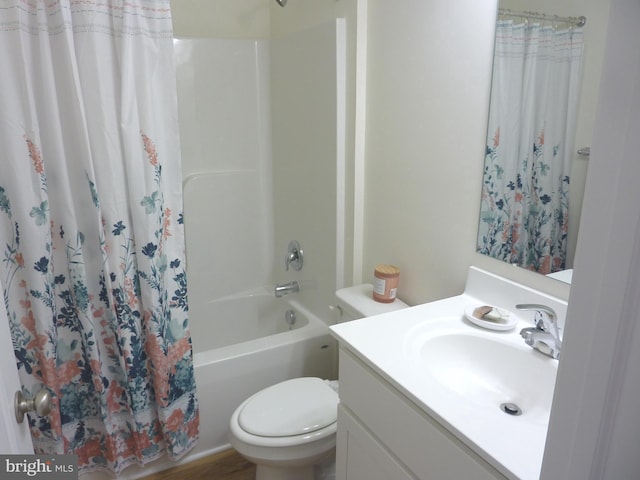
point(245, 344)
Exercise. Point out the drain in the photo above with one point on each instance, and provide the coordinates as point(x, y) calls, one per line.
point(511, 409)
point(290, 318)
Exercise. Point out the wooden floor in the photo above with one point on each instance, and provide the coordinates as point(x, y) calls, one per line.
point(227, 465)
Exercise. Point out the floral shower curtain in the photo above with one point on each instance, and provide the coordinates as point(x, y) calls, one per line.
point(91, 235)
point(525, 192)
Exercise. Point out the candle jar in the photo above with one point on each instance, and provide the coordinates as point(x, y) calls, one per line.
point(385, 285)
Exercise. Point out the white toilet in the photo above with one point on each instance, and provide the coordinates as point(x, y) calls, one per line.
point(289, 427)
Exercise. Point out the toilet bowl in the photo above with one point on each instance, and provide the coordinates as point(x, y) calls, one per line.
point(287, 428)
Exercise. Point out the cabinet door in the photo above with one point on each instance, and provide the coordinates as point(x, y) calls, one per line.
point(361, 457)
point(420, 444)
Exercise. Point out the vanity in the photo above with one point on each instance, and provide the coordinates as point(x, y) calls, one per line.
point(427, 394)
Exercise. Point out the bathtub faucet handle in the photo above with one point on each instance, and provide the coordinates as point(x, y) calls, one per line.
point(294, 256)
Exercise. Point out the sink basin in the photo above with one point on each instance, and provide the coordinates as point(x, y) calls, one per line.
point(487, 369)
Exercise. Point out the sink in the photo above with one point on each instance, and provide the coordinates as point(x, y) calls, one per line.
point(485, 370)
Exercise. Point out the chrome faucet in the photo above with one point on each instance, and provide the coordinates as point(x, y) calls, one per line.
point(283, 289)
point(545, 336)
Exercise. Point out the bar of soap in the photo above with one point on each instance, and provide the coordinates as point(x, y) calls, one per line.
point(491, 314)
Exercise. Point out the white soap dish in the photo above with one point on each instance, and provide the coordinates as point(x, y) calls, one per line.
point(494, 318)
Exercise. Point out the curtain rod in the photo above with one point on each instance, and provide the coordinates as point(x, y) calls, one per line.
point(578, 21)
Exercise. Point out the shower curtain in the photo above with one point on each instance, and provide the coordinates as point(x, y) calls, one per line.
point(91, 237)
point(532, 115)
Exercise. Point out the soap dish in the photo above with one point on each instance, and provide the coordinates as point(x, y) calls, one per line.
point(500, 320)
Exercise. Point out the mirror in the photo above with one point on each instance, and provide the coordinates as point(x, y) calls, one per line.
point(533, 180)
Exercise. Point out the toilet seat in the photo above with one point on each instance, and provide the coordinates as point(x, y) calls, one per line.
point(294, 407)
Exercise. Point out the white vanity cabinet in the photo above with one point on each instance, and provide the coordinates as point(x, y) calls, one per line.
point(383, 435)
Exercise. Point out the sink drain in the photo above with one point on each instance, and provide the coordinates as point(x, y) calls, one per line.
point(511, 409)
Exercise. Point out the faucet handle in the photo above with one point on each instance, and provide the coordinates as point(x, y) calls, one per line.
point(545, 336)
point(546, 318)
point(294, 256)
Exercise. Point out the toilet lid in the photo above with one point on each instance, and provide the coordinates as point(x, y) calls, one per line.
point(293, 407)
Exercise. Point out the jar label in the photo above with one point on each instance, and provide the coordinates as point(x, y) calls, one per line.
point(379, 286)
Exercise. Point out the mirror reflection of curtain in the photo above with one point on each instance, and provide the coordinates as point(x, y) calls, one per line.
point(525, 191)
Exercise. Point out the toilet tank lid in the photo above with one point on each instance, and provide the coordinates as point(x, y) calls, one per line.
point(359, 299)
point(293, 407)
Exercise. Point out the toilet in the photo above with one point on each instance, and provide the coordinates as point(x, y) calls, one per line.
point(288, 428)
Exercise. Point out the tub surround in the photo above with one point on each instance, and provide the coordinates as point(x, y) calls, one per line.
point(226, 152)
point(503, 445)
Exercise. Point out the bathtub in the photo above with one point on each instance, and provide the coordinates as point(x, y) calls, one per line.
point(221, 325)
point(251, 347)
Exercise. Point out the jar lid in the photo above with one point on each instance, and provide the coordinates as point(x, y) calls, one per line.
point(386, 269)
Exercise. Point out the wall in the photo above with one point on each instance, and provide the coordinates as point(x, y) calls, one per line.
point(221, 18)
point(427, 99)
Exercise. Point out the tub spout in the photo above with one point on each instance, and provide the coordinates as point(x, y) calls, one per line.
point(283, 289)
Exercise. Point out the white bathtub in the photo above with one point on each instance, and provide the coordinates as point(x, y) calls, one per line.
point(239, 318)
point(226, 375)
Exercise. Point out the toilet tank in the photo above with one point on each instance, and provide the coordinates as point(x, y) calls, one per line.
point(357, 302)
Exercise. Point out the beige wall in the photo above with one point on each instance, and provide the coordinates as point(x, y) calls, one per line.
point(221, 18)
point(429, 67)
